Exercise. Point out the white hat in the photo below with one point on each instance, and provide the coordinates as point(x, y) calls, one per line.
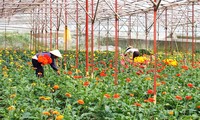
point(56, 53)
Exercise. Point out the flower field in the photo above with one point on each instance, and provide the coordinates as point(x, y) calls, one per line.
point(72, 96)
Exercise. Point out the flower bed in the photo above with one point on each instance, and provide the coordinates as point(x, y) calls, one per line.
point(74, 96)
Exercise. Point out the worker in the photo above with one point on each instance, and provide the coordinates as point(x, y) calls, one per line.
point(45, 58)
point(133, 51)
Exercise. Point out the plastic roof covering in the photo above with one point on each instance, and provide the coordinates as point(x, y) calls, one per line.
point(18, 15)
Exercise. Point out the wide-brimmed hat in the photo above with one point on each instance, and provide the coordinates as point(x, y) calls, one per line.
point(56, 53)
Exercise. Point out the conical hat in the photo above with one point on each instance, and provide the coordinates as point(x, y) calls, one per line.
point(56, 53)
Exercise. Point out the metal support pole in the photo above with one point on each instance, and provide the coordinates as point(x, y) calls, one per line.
point(99, 38)
point(51, 24)
point(166, 33)
point(107, 35)
point(129, 30)
point(116, 44)
point(46, 25)
point(66, 44)
point(155, 52)
point(77, 36)
point(86, 38)
point(146, 31)
point(193, 44)
point(92, 39)
point(57, 25)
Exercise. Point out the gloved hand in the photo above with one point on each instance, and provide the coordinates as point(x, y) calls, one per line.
point(58, 72)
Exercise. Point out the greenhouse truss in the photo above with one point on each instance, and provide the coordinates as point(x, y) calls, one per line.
point(102, 25)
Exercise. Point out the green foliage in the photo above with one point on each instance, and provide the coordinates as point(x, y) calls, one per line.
point(14, 40)
point(24, 96)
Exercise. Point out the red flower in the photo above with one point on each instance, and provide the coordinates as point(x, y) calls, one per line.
point(190, 85)
point(188, 97)
point(184, 67)
point(179, 97)
point(102, 74)
point(139, 72)
point(151, 99)
point(137, 104)
point(96, 68)
point(150, 92)
point(86, 83)
point(178, 74)
point(116, 96)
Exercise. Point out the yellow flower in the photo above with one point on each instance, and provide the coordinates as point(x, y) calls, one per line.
point(11, 108)
point(140, 59)
point(48, 98)
point(42, 98)
point(171, 112)
point(13, 95)
point(170, 62)
point(59, 117)
point(33, 84)
point(148, 78)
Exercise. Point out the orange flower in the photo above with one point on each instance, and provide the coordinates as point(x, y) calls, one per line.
point(116, 96)
point(163, 82)
point(198, 107)
point(179, 97)
point(86, 83)
point(55, 112)
point(128, 80)
point(69, 72)
point(55, 87)
point(131, 94)
point(107, 95)
point(77, 77)
point(81, 102)
point(44, 59)
point(68, 95)
point(46, 113)
point(137, 104)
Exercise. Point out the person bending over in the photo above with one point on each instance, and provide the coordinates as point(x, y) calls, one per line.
point(45, 58)
point(133, 51)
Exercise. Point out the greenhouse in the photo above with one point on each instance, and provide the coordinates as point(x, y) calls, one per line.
point(100, 59)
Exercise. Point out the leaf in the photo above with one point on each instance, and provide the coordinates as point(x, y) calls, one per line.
point(107, 108)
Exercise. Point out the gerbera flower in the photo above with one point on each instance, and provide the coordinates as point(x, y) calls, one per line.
point(81, 102)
